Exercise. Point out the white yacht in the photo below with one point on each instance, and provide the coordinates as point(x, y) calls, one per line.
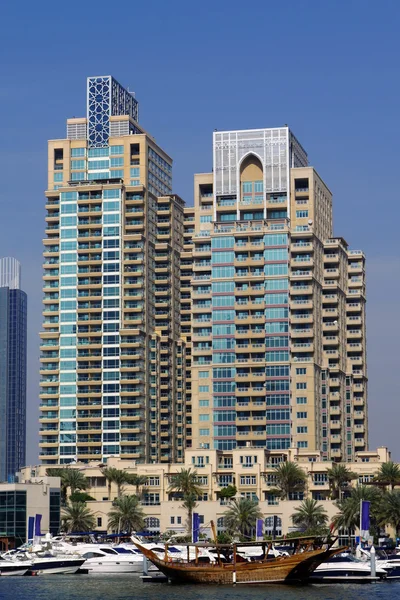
point(46, 562)
point(389, 562)
point(100, 558)
point(344, 568)
point(11, 567)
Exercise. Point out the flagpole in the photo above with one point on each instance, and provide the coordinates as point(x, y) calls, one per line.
point(361, 504)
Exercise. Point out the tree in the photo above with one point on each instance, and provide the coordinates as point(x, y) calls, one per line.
point(309, 515)
point(75, 480)
point(289, 478)
point(138, 481)
point(186, 483)
point(80, 497)
point(349, 516)
point(228, 492)
point(117, 476)
point(389, 510)
point(388, 475)
point(339, 476)
point(77, 517)
point(126, 514)
point(242, 516)
point(70, 478)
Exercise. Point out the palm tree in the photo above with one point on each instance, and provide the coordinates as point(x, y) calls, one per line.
point(78, 517)
point(185, 482)
point(137, 481)
point(388, 475)
point(309, 515)
point(289, 478)
point(349, 515)
point(242, 516)
point(117, 476)
point(126, 514)
point(339, 476)
point(70, 478)
point(389, 510)
point(75, 480)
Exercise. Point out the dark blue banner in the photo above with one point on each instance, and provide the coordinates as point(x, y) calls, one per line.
point(31, 524)
point(365, 515)
point(196, 527)
point(38, 519)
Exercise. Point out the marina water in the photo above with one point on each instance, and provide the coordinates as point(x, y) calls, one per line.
point(108, 587)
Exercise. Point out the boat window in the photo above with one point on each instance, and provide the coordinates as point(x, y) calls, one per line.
point(123, 551)
point(108, 550)
point(92, 555)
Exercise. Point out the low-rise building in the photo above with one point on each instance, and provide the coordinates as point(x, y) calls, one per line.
point(29, 497)
point(251, 470)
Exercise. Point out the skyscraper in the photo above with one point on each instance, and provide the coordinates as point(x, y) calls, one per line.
point(112, 380)
point(275, 315)
point(13, 322)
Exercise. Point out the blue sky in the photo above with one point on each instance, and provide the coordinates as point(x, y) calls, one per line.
point(330, 70)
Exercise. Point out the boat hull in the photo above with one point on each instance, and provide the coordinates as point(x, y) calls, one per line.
point(13, 570)
point(56, 567)
point(115, 568)
point(287, 569)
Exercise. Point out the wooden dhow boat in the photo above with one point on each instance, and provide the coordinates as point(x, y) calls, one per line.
point(303, 556)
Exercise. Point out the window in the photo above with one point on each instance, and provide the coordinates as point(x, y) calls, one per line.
point(204, 402)
point(117, 162)
point(258, 186)
point(247, 187)
point(116, 150)
point(172, 520)
point(301, 400)
point(301, 385)
point(301, 214)
point(204, 432)
point(98, 164)
point(99, 521)
point(78, 164)
point(204, 374)
point(302, 429)
point(248, 480)
point(96, 152)
point(204, 417)
point(135, 172)
point(302, 444)
point(205, 218)
point(204, 389)
point(277, 239)
point(76, 152)
point(301, 415)
point(301, 371)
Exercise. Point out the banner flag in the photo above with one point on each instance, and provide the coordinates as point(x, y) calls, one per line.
point(259, 529)
point(31, 525)
point(364, 520)
point(195, 527)
point(38, 519)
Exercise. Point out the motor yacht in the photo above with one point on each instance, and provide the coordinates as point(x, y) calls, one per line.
point(344, 568)
point(387, 561)
point(11, 567)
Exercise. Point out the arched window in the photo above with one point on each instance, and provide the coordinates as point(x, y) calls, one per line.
point(152, 524)
point(269, 526)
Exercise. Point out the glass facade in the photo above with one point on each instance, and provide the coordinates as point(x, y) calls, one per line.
point(13, 316)
point(13, 515)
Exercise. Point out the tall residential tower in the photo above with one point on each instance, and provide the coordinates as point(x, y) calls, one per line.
point(275, 314)
point(112, 380)
point(13, 315)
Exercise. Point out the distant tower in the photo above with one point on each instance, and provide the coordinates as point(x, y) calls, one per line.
point(13, 319)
